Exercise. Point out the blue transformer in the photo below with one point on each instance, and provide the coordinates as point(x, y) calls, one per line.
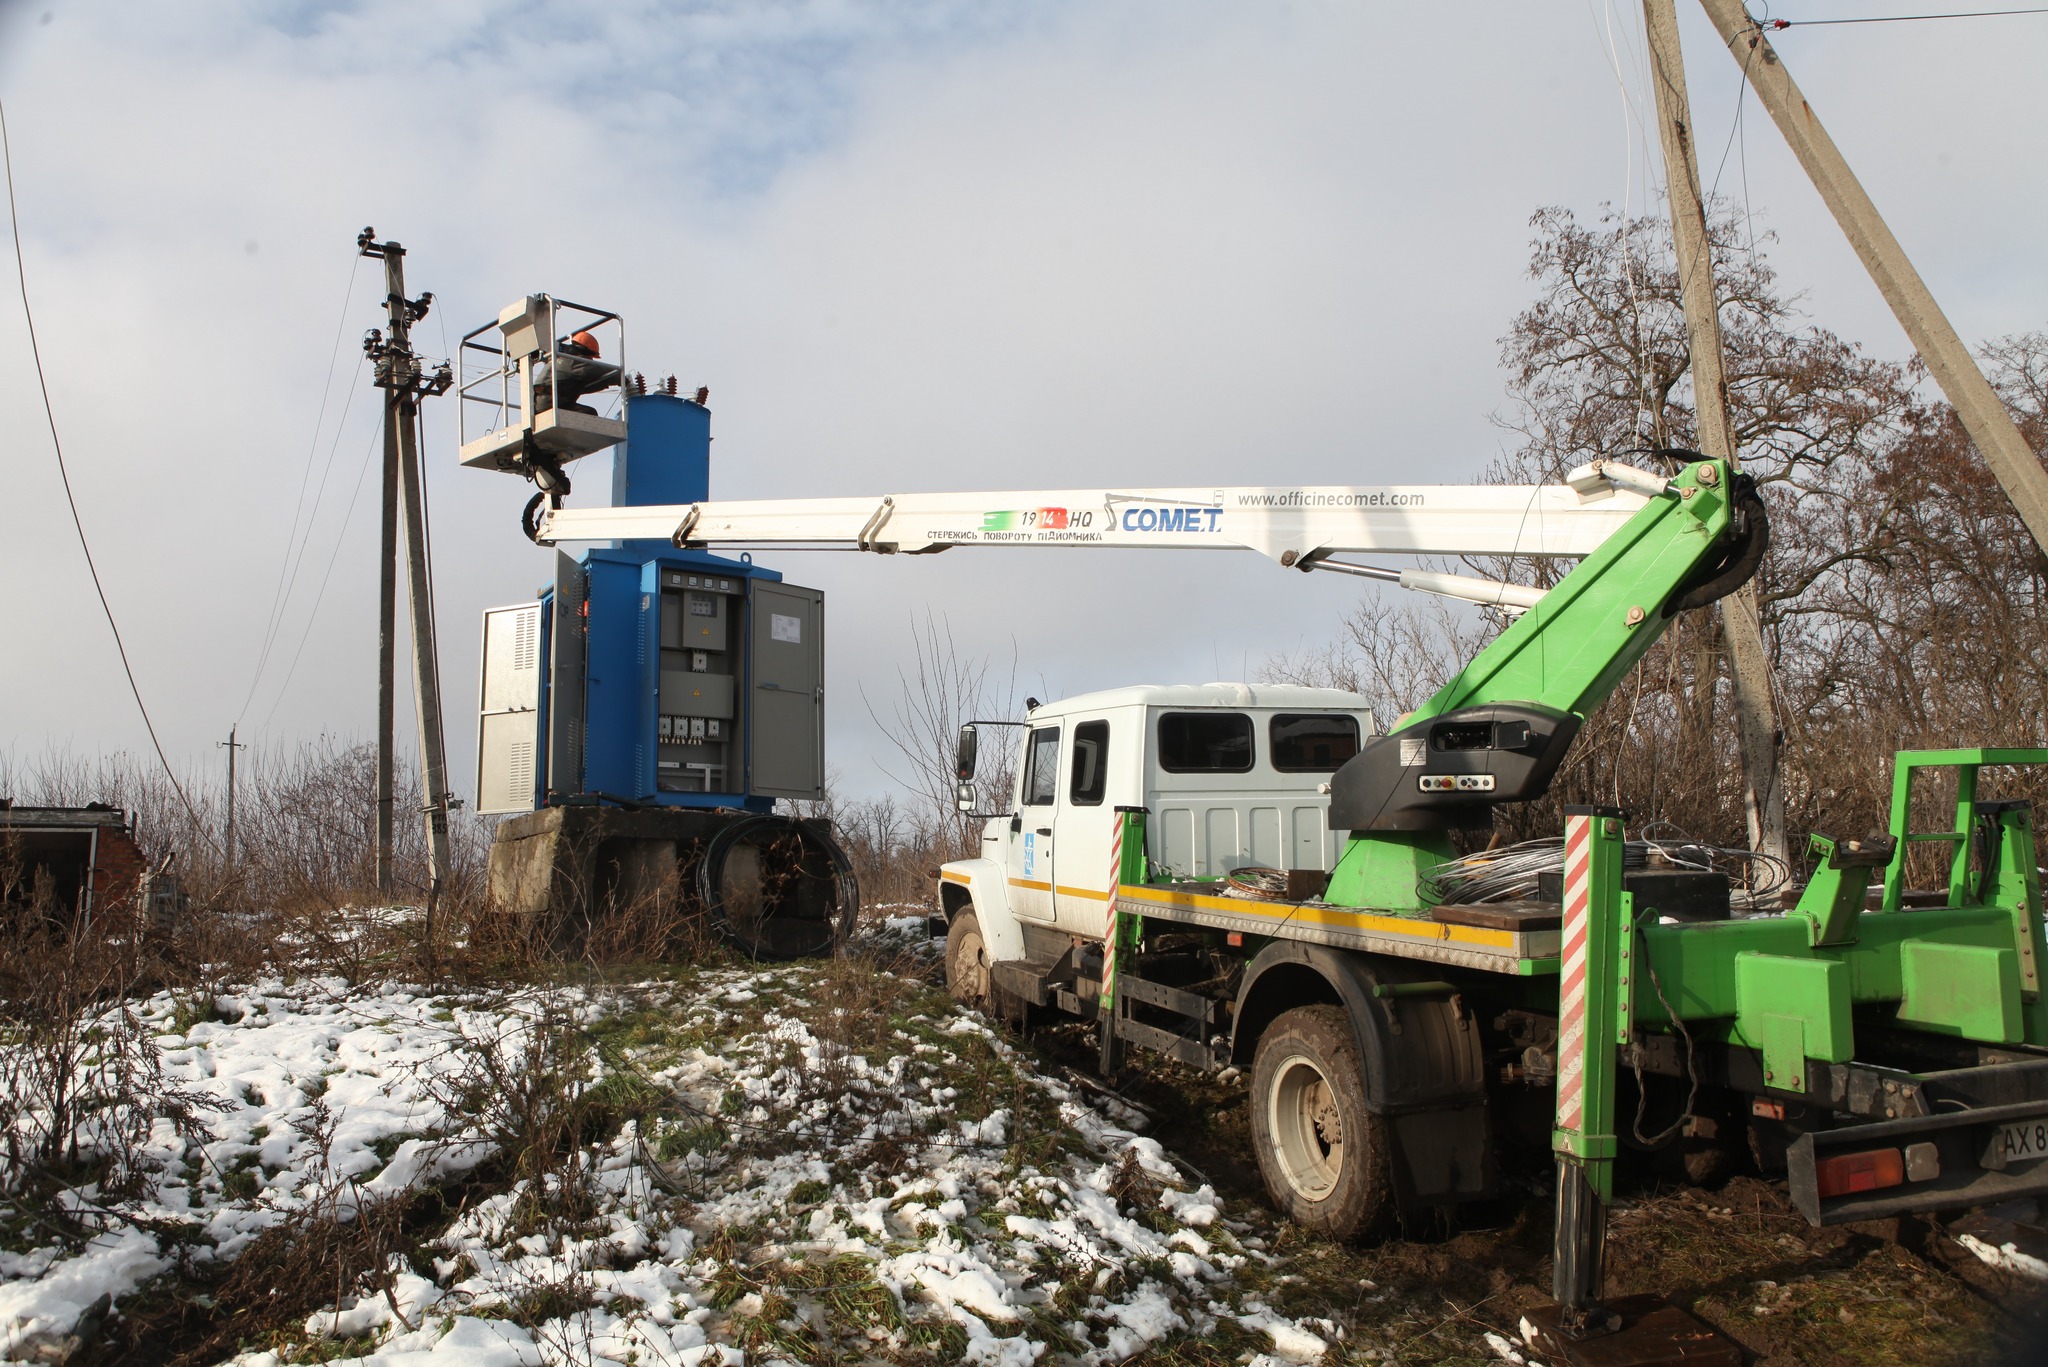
point(650, 675)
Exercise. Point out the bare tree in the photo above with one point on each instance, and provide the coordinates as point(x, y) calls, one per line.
point(941, 692)
point(1903, 602)
point(1394, 648)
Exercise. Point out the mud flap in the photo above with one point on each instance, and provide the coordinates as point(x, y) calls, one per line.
point(1442, 1157)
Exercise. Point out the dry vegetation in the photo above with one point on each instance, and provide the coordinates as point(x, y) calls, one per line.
point(1903, 603)
point(579, 1076)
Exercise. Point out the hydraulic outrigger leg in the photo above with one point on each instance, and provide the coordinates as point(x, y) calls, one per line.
point(1584, 1137)
point(1594, 1018)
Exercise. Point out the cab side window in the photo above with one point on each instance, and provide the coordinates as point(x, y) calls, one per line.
point(1205, 743)
point(1312, 742)
point(1089, 767)
point(1042, 767)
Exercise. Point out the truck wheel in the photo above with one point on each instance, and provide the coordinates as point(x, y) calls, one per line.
point(967, 961)
point(1322, 1153)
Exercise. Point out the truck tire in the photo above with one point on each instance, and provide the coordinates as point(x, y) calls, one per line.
point(1322, 1153)
point(967, 962)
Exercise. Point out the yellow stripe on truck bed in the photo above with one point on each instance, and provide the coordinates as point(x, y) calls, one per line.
point(1502, 951)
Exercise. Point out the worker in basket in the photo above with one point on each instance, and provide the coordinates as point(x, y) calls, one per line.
point(577, 369)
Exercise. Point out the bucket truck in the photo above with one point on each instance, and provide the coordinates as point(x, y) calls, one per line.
point(1889, 1049)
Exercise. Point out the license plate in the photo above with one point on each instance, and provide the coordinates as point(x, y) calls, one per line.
point(2027, 1139)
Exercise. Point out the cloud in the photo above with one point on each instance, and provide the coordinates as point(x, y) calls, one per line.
point(908, 247)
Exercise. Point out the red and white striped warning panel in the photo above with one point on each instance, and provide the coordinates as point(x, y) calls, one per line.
point(1116, 871)
point(1571, 1019)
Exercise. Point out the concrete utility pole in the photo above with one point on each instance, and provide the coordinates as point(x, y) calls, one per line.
point(232, 745)
point(387, 658)
point(1756, 711)
point(399, 375)
point(2013, 463)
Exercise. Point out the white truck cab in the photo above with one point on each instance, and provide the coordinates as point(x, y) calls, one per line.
point(1232, 774)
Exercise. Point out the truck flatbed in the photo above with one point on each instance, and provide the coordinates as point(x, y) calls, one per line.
point(1522, 939)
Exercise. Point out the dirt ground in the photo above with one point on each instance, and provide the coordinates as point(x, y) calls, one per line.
point(1737, 1255)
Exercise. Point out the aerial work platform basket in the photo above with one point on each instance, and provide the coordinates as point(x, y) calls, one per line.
point(522, 381)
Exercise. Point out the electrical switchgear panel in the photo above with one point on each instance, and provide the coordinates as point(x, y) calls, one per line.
point(696, 725)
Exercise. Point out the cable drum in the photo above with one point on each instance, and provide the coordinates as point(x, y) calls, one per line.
point(777, 888)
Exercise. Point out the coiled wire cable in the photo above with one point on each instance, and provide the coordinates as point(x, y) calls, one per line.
point(1510, 873)
point(1255, 882)
point(762, 832)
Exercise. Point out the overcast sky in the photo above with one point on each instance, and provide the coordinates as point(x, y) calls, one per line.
point(908, 246)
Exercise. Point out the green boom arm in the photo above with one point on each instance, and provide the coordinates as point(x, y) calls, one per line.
point(1497, 731)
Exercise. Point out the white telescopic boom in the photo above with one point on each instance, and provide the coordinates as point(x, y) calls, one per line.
point(1291, 525)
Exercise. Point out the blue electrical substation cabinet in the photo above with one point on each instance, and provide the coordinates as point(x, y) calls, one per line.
point(639, 719)
point(644, 675)
point(652, 676)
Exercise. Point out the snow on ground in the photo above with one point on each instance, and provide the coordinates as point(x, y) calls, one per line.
point(272, 1059)
point(2006, 1257)
point(818, 1162)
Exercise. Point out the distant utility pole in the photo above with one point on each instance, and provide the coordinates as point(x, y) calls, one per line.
point(398, 373)
point(1756, 713)
point(231, 745)
point(2013, 463)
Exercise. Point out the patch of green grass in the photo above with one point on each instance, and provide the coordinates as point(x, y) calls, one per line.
point(1051, 1330)
point(943, 1336)
point(1032, 1204)
point(1225, 1345)
point(676, 1139)
point(772, 1329)
point(387, 1148)
point(550, 1301)
point(188, 1011)
point(726, 1285)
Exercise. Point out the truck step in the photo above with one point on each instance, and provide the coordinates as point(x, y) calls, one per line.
point(1192, 1052)
point(1205, 1010)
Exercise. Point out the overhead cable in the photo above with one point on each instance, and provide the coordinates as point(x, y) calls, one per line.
point(1778, 25)
point(288, 568)
point(64, 473)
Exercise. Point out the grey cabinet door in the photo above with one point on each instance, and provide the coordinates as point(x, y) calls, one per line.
point(567, 640)
point(508, 720)
point(786, 692)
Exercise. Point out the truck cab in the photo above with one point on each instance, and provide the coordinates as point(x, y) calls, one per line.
point(1234, 775)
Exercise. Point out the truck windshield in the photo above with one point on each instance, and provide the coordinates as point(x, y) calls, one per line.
point(1312, 742)
point(1205, 742)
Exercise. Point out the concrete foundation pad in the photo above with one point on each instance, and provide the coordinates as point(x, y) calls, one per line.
point(567, 872)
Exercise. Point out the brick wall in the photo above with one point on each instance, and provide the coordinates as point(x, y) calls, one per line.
point(117, 872)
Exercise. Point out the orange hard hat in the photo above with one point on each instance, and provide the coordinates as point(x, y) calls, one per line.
point(585, 340)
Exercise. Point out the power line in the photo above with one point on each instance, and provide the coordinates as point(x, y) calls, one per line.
point(1777, 25)
point(313, 613)
point(64, 473)
point(288, 569)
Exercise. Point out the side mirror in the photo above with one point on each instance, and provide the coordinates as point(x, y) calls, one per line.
point(963, 756)
point(963, 797)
